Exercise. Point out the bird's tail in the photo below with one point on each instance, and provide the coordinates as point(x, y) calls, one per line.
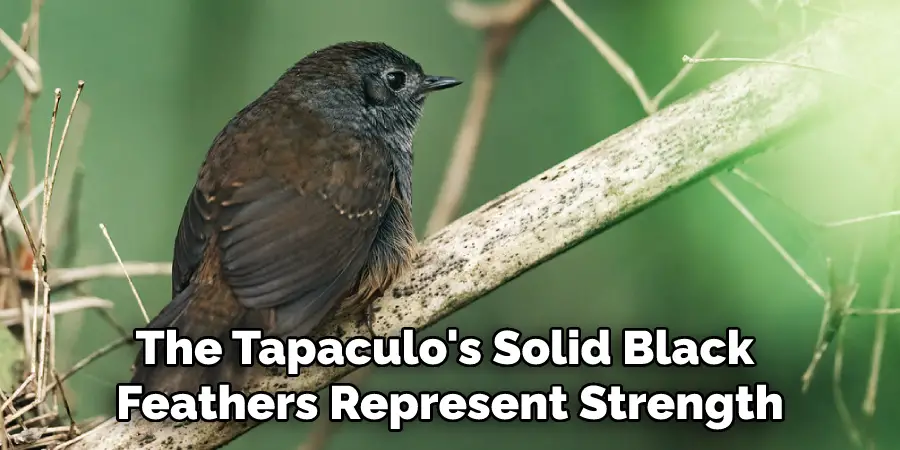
point(186, 314)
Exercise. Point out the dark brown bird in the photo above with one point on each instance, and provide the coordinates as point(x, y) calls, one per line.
point(302, 207)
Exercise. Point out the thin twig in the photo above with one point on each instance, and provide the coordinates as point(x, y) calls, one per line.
point(11, 406)
point(887, 291)
point(838, 392)
point(618, 64)
point(62, 139)
point(12, 316)
point(25, 66)
point(66, 182)
point(31, 421)
point(29, 38)
point(25, 227)
point(11, 222)
point(683, 73)
point(482, 16)
point(622, 68)
point(23, 44)
point(133, 268)
point(834, 224)
point(747, 178)
point(862, 219)
point(50, 174)
point(875, 312)
point(125, 272)
point(93, 356)
point(840, 297)
point(29, 199)
point(38, 266)
point(62, 393)
point(4, 437)
point(768, 236)
point(33, 25)
point(15, 395)
point(22, 127)
point(21, 412)
point(48, 195)
point(61, 278)
point(689, 60)
point(111, 320)
point(7, 177)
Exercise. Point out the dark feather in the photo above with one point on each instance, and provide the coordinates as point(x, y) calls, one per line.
point(277, 242)
point(302, 207)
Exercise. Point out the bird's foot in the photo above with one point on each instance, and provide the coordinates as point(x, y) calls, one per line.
point(366, 321)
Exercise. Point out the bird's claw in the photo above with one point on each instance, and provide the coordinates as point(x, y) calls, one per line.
point(368, 323)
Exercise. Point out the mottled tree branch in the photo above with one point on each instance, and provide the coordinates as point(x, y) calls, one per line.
point(584, 196)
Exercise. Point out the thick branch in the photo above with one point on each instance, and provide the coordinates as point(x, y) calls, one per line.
point(579, 198)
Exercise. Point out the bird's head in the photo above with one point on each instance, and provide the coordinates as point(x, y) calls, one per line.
point(367, 87)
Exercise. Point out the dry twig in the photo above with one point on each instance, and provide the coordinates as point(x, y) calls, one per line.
point(67, 276)
point(887, 291)
point(12, 316)
point(768, 236)
point(25, 66)
point(125, 272)
point(695, 60)
point(49, 182)
point(840, 402)
point(93, 356)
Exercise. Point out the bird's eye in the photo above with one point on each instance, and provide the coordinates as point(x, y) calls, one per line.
point(395, 80)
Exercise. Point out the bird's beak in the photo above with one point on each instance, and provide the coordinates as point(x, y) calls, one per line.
point(436, 83)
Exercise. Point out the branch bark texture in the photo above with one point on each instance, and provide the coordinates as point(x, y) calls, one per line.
point(583, 196)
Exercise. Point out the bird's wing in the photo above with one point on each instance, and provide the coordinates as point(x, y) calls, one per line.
point(283, 241)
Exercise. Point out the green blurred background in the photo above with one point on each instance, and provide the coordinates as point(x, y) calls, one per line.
point(163, 76)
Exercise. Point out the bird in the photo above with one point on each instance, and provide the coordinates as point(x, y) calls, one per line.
point(302, 208)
